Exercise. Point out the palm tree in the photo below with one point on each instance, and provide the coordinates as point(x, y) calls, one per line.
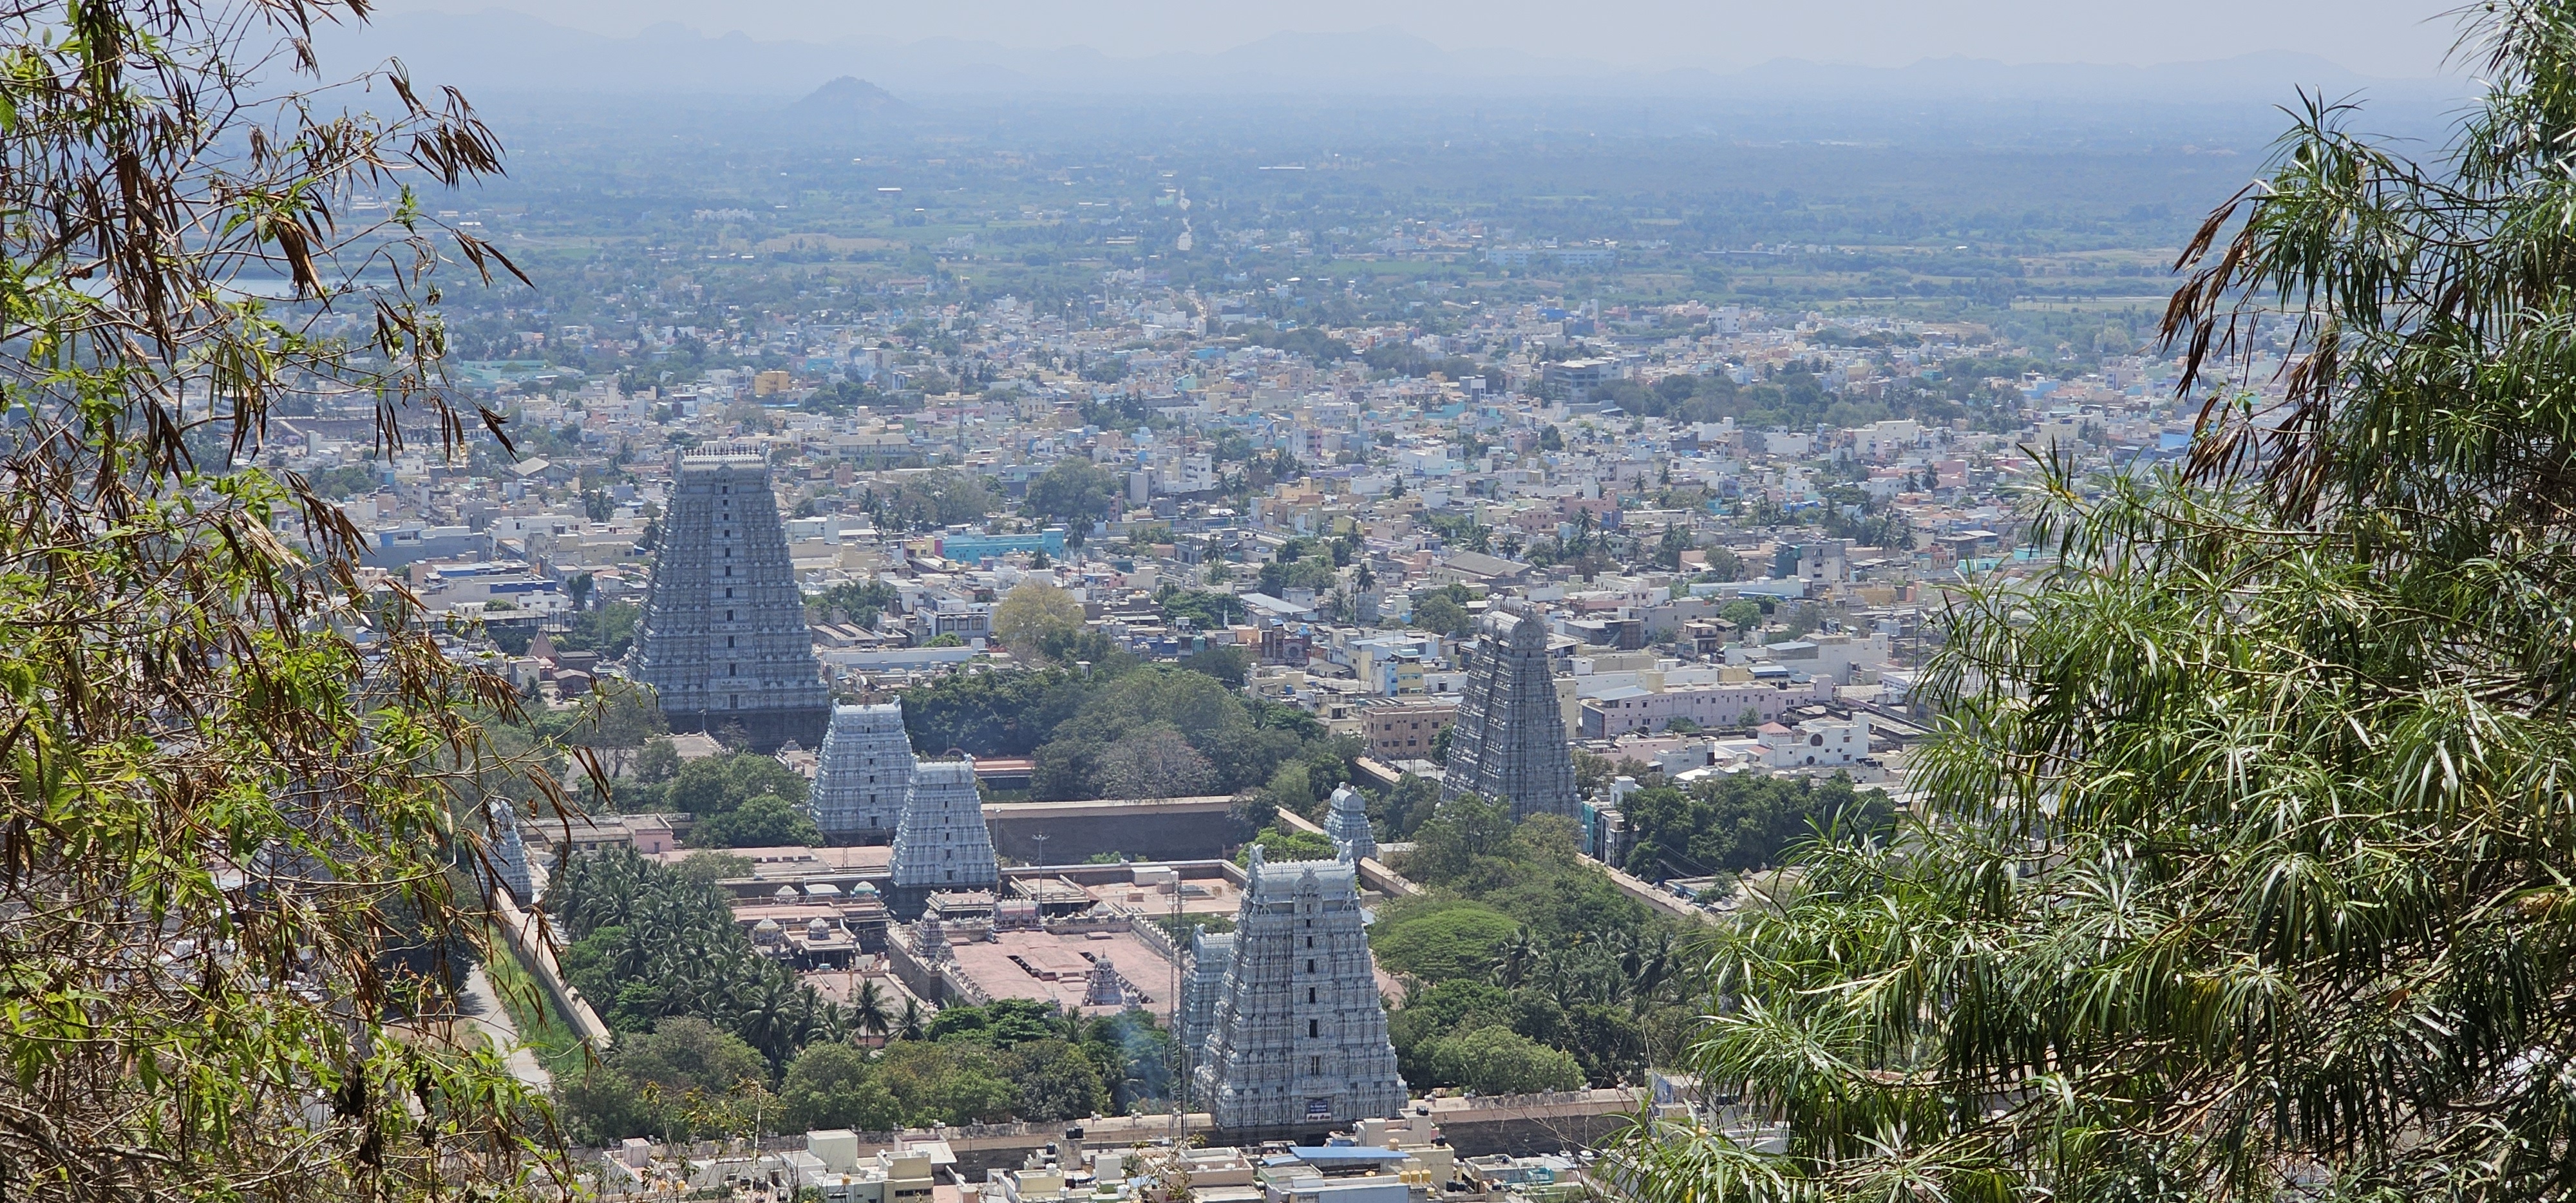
point(913, 1023)
point(1654, 971)
point(768, 1022)
point(1513, 960)
point(868, 1013)
point(636, 952)
point(809, 1015)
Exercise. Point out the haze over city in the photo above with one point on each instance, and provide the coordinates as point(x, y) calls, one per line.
point(2391, 38)
point(1421, 602)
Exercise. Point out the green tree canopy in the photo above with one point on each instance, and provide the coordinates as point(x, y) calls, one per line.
point(829, 1086)
point(1088, 755)
point(1279, 846)
point(861, 600)
point(1032, 612)
point(1438, 940)
point(616, 721)
point(657, 761)
point(1227, 663)
point(941, 496)
point(2243, 867)
point(676, 1081)
point(240, 788)
point(767, 821)
point(1498, 1060)
point(949, 1082)
point(608, 630)
point(1074, 493)
point(1736, 824)
point(688, 1054)
point(1443, 610)
point(712, 785)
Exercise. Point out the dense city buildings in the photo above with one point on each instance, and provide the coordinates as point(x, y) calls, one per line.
point(1297, 1042)
point(862, 774)
point(724, 642)
point(1157, 546)
point(1509, 743)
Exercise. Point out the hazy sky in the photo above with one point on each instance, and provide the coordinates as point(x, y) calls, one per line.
point(2374, 37)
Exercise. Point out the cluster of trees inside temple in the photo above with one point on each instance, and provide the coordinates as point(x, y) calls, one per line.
point(713, 1037)
point(647, 942)
point(1728, 825)
point(737, 799)
point(1122, 729)
point(1016, 1059)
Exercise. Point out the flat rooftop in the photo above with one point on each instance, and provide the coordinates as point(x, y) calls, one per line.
point(1056, 966)
point(792, 863)
point(842, 985)
point(1210, 895)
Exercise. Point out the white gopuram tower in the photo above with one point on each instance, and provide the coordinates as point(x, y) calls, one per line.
point(1348, 826)
point(1297, 1043)
point(862, 773)
point(1210, 955)
point(510, 854)
point(941, 842)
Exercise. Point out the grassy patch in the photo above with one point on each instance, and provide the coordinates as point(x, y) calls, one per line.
point(533, 1012)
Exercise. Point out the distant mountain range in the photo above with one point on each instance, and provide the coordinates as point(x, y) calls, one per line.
point(499, 51)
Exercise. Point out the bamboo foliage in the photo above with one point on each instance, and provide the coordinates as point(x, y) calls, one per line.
point(232, 777)
point(2249, 865)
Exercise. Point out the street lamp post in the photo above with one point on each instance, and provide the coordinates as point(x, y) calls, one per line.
point(1041, 838)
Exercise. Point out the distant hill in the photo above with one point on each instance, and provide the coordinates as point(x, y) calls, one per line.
point(848, 96)
point(499, 51)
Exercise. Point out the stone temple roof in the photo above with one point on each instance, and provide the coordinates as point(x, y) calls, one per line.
point(729, 451)
point(1286, 877)
point(1518, 627)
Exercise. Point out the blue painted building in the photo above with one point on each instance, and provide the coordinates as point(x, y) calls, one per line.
point(971, 548)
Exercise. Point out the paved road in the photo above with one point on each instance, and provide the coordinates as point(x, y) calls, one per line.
point(483, 1009)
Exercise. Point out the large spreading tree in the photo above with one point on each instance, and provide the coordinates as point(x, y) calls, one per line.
point(2248, 865)
point(239, 788)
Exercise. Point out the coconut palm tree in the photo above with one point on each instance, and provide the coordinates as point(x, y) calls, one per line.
point(868, 1013)
point(1512, 961)
point(768, 1020)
